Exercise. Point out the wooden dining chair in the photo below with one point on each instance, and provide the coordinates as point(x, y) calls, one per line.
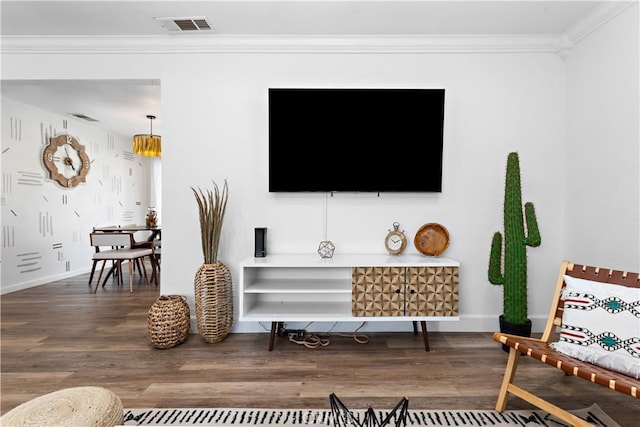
point(157, 255)
point(93, 267)
point(118, 247)
point(144, 239)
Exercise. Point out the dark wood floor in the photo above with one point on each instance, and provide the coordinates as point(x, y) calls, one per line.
point(62, 335)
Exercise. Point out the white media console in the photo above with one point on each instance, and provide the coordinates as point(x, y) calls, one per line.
point(349, 287)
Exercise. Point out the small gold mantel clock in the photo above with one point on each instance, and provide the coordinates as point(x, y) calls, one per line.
point(66, 160)
point(395, 242)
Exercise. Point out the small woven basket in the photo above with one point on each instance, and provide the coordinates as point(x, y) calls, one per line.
point(168, 321)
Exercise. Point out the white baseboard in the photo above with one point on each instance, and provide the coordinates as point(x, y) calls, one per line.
point(465, 324)
point(41, 281)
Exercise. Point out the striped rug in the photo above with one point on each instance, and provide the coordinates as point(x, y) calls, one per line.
point(322, 417)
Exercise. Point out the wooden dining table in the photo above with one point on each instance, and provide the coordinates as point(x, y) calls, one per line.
point(156, 233)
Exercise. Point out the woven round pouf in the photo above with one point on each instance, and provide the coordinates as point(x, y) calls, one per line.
point(168, 321)
point(77, 406)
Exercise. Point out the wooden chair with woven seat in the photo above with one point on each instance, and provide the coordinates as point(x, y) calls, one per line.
point(124, 251)
point(545, 348)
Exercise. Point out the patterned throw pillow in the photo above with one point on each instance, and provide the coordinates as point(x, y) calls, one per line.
point(601, 325)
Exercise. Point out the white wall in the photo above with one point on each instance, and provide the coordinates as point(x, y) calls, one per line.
point(45, 227)
point(505, 103)
point(214, 109)
point(603, 147)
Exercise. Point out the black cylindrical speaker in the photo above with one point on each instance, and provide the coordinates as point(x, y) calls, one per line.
point(261, 242)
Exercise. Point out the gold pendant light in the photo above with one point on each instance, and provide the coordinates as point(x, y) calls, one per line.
point(148, 145)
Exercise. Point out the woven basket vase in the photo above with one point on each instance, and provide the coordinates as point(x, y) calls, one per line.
point(169, 319)
point(214, 301)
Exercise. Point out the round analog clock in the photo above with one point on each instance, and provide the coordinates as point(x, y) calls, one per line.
point(66, 160)
point(395, 242)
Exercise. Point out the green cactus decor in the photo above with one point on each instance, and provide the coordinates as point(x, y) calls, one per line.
point(508, 263)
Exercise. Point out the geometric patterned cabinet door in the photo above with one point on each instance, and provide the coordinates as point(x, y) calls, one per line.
point(404, 291)
point(377, 291)
point(432, 291)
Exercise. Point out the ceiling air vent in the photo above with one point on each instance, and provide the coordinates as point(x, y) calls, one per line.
point(192, 24)
point(83, 117)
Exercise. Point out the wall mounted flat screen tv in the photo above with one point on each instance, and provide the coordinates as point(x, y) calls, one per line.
point(355, 140)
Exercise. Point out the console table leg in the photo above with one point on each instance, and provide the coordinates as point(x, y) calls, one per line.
point(425, 337)
point(415, 327)
point(272, 334)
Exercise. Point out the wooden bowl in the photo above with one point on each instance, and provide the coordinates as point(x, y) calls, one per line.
point(431, 239)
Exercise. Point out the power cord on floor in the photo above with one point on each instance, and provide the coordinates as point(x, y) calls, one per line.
point(310, 341)
point(360, 339)
point(316, 340)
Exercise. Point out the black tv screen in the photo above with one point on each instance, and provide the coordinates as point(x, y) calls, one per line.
point(357, 140)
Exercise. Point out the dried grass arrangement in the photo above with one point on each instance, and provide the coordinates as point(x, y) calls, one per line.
point(212, 206)
point(213, 284)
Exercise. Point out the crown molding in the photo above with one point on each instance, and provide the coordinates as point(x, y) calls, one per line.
point(207, 44)
point(602, 14)
point(560, 44)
